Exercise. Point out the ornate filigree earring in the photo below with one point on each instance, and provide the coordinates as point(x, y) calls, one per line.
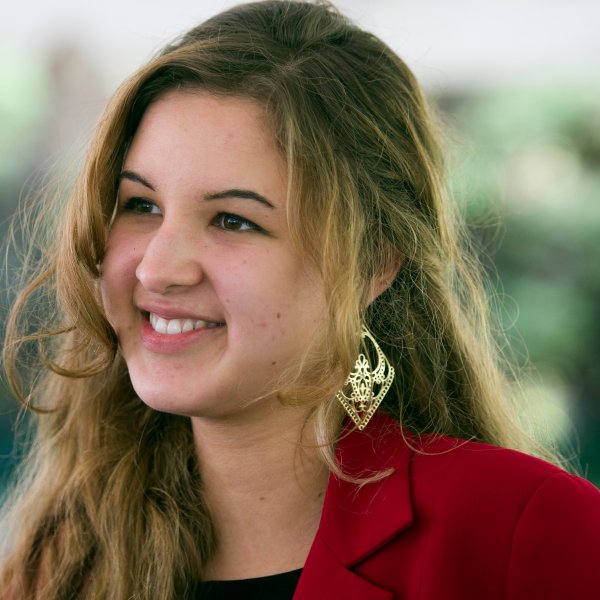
point(364, 398)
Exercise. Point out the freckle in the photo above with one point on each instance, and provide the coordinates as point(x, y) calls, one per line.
point(273, 363)
point(261, 498)
point(279, 315)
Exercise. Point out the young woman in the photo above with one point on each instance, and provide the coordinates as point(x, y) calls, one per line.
point(265, 368)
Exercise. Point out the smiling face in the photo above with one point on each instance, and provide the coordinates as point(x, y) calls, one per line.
point(209, 299)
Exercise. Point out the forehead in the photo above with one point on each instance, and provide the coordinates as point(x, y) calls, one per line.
point(204, 116)
point(201, 134)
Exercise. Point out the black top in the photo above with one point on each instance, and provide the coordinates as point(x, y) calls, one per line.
point(272, 587)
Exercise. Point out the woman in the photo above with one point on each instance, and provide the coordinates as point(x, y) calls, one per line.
point(263, 203)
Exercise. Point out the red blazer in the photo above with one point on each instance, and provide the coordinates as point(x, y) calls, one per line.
point(464, 521)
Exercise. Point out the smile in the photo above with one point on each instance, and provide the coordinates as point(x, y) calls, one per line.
point(175, 326)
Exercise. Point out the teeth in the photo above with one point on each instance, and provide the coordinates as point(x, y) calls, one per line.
point(188, 325)
point(174, 326)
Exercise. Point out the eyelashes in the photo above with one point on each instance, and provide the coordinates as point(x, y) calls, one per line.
point(223, 220)
point(232, 222)
point(141, 206)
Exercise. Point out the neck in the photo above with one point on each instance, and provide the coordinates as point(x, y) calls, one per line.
point(256, 473)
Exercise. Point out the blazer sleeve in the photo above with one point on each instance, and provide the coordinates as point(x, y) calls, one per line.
point(556, 545)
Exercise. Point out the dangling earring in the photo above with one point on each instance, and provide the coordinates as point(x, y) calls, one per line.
point(363, 400)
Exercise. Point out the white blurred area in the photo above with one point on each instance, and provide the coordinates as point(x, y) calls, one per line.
point(452, 41)
point(60, 60)
point(76, 53)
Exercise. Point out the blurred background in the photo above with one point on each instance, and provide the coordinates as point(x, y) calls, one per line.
point(519, 85)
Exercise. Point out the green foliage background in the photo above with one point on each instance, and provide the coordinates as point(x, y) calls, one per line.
point(527, 171)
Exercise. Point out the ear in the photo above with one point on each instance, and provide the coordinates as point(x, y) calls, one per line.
point(384, 280)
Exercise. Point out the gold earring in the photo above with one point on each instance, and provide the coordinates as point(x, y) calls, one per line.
point(363, 401)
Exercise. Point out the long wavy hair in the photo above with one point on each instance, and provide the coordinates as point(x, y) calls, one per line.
point(109, 501)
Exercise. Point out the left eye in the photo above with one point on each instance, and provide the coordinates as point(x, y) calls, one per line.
point(231, 222)
point(141, 205)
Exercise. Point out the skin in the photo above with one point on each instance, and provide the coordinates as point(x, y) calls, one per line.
point(184, 246)
point(175, 253)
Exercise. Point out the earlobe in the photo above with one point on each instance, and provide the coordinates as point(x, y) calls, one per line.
point(384, 280)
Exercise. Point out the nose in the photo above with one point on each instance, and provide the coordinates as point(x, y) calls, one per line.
point(171, 259)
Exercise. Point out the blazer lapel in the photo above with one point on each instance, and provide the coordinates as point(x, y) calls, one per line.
point(358, 519)
point(324, 576)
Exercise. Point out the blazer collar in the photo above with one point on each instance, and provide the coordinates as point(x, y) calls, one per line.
point(358, 519)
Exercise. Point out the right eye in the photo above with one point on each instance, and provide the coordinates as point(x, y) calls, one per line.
point(141, 206)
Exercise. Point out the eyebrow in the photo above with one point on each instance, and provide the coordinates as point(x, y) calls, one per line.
point(231, 193)
point(133, 176)
point(236, 193)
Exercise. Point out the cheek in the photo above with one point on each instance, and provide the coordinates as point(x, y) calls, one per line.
point(257, 285)
point(273, 298)
point(118, 274)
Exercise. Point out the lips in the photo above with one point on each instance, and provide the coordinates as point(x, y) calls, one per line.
point(169, 333)
point(180, 325)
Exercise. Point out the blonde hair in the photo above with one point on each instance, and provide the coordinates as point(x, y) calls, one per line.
point(110, 500)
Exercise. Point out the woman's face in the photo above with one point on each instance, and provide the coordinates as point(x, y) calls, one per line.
point(208, 297)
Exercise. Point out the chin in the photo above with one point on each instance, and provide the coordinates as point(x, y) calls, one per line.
point(178, 403)
point(161, 398)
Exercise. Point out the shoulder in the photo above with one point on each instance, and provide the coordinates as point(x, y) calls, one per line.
point(460, 519)
point(457, 519)
point(465, 465)
point(538, 521)
point(443, 464)
point(488, 493)
point(439, 461)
